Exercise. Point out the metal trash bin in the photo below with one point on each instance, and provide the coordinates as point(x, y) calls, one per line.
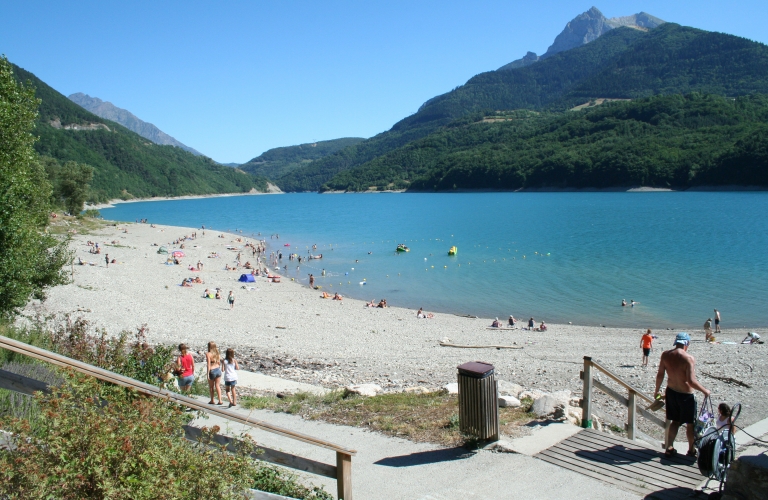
point(478, 401)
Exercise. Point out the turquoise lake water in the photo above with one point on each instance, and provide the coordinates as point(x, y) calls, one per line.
point(559, 257)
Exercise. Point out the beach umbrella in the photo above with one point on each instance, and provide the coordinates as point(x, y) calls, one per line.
point(178, 253)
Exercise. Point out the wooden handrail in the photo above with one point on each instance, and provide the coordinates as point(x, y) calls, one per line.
point(630, 402)
point(343, 455)
point(619, 381)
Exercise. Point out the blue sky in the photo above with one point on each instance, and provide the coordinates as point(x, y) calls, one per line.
point(233, 79)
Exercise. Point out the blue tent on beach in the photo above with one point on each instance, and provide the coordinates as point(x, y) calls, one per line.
point(247, 278)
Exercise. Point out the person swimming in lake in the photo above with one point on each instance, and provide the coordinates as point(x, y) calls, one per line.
point(623, 303)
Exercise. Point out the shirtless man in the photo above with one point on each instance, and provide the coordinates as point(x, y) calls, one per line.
point(680, 367)
point(717, 321)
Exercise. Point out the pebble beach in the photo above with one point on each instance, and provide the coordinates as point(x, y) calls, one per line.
point(286, 329)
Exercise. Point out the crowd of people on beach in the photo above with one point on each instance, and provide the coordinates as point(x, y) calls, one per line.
point(216, 368)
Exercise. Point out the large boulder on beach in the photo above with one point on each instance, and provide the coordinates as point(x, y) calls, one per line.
point(544, 406)
point(416, 390)
point(562, 397)
point(508, 388)
point(368, 390)
point(508, 402)
point(533, 394)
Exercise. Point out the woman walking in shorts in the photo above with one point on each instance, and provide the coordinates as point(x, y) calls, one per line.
point(231, 300)
point(213, 361)
point(230, 376)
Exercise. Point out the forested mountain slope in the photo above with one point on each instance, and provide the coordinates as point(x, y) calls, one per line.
point(109, 111)
point(670, 141)
point(623, 63)
point(277, 162)
point(126, 165)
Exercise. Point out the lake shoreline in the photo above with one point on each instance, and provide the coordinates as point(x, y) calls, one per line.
point(295, 334)
point(634, 189)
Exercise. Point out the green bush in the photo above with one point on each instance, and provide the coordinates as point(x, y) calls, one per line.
point(94, 440)
point(131, 447)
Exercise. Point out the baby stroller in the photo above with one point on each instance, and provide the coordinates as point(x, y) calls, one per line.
point(716, 447)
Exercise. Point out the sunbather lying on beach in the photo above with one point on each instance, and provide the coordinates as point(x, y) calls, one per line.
point(325, 295)
point(186, 283)
point(422, 315)
point(382, 303)
point(337, 296)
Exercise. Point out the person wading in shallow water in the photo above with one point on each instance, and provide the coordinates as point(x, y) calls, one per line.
point(717, 321)
point(680, 368)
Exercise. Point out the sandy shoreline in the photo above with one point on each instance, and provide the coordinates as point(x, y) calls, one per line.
point(111, 203)
point(286, 329)
point(275, 190)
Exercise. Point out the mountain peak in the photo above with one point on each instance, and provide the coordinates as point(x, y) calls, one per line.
point(584, 28)
point(109, 111)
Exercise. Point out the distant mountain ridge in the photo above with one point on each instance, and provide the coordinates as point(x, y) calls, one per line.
point(109, 111)
point(125, 164)
point(278, 162)
point(586, 28)
point(624, 63)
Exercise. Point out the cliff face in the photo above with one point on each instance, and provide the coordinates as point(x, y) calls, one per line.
point(109, 111)
point(585, 28)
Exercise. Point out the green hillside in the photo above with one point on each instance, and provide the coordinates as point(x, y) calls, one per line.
point(623, 63)
point(663, 141)
point(126, 165)
point(278, 162)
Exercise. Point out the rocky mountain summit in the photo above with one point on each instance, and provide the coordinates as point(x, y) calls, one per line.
point(109, 111)
point(585, 28)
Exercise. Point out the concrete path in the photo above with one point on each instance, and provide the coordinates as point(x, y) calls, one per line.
point(391, 468)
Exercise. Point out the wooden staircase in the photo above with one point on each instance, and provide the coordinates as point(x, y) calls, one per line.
point(628, 464)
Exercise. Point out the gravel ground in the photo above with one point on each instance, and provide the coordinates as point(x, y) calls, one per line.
point(287, 330)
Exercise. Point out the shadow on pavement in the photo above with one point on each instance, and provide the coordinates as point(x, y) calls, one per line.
point(677, 493)
point(426, 457)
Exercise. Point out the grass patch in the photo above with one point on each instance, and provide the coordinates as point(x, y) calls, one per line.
point(64, 224)
point(432, 417)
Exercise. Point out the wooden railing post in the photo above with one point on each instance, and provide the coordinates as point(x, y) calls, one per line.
point(586, 402)
point(344, 475)
point(632, 415)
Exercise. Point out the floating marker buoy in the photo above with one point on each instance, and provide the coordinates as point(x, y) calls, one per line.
point(433, 267)
point(445, 267)
point(425, 259)
point(353, 268)
point(346, 274)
